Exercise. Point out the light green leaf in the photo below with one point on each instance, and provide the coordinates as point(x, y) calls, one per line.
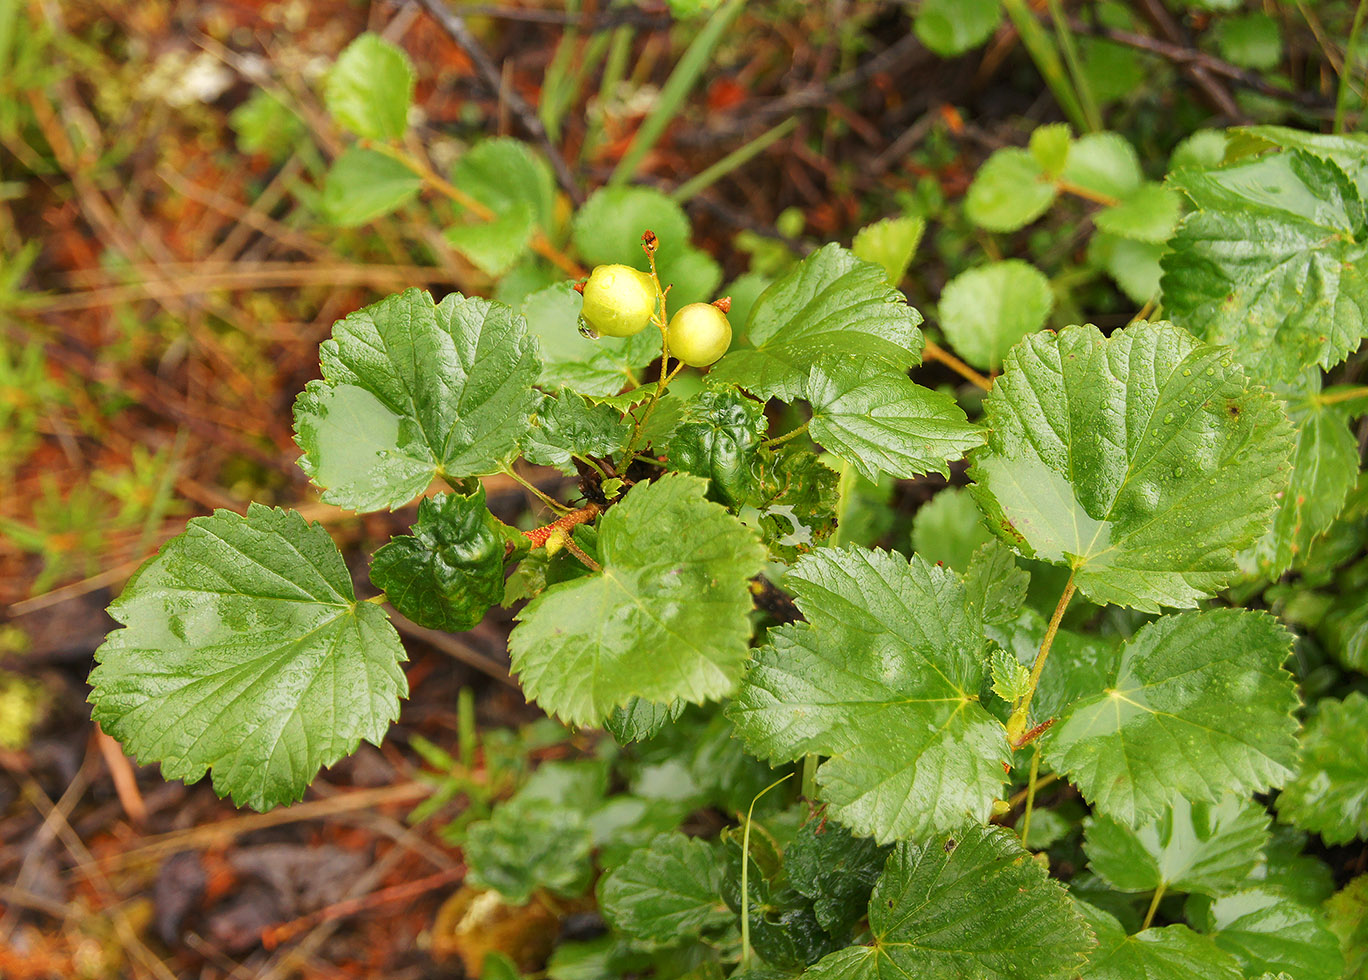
point(1105, 164)
point(1348, 150)
point(1347, 912)
point(1147, 214)
point(880, 421)
point(639, 720)
point(664, 619)
point(996, 587)
point(1144, 461)
point(447, 574)
point(568, 425)
point(669, 890)
point(245, 654)
point(1194, 704)
point(884, 679)
point(363, 185)
point(506, 175)
point(1250, 40)
point(1272, 262)
point(526, 845)
point(1268, 932)
point(608, 227)
point(986, 310)
point(1050, 146)
point(949, 528)
point(831, 303)
point(951, 27)
point(890, 243)
point(1168, 953)
point(494, 246)
point(965, 904)
point(1190, 847)
point(591, 367)
point(1325, 465)
point(1206, 148)
point(1133, 265)
point(1009, 191)
point(370, 88)
point(1011, 678)
point(1329, 793)
point(411, 391)
point(265, 124)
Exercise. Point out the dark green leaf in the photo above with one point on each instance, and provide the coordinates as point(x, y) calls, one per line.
point(639, 720)
point(1329, 793)
point(716, 437)
point(527, 845)
point(568, 425)
point(836, 871)
point(1268, 932)
point(1169, 953)
point(666, 892)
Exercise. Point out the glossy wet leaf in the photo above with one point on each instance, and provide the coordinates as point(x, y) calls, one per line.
point(1194, 703)
point(717, 437)
point(1190, 847)
point(447, 574)
point(989, 308)
point(363, 185)
point(669, 890)
point(1009, 191)
point(880, 421)
point(835, 870)
point(244, 654)
point(411, 391)
point(1144, 461)
point(883, 681)
point(664, 619)
point(831, 303)
point(595, 367)
point(1329, 793)
point(568, 425)
point(1272, 262)
point(1160, 953)
point(965, 904)
point(1268, 932)
point(369, 88)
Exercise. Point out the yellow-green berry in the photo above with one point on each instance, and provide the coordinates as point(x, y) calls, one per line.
point(618, 300)
point(699, 334)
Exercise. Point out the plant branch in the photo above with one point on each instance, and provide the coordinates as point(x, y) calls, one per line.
point(780, 440)
point(1017, 724)
point(540, 494)
point(1154, 904)
point(938, 353)
point(539, 535)
point(1030, 798)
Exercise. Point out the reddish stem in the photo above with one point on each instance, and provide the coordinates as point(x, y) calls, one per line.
point(539, 535)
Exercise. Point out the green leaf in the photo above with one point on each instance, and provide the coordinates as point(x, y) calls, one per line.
point(568, 425)
point(717, 437)
point(447, 574)
point(1268, 932)
point(1168, 953)
point(1272, 262)
point(640, 720)
point(264, 124)
point(966, 904)
point(1011, 678)
point(245, 654)
point(411, 391)
point(1325, 464)
point(1009, 191)
point(1250, 40)
point(1285, 868)
point(591, 367)
point(1147, 214)
point(880, 421)
point(1329, 793)
point(951, 27)
point(1133, 265)
point(1206, 148)
point(1194, 704)
point(665, 619)
point(883, 678)
point(1105, 164)
point(1050, 146)
point(668, 891)
point(994, 585)
point(1190, 847)
point(370, 88)
point(836, 871)
point(363, 185)
point(1347, 912)
point(608, 227)
point(1348, 150)
point(831, 303)
point(527, 845)
point(505, 175)
point(986, 310)
point(494, 246)
point(890, 243)
point(1144, 461)
point(949, 528)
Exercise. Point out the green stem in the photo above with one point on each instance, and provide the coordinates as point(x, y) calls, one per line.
point(845, 490)
point(732, 160)
point(1350, 51)
point(809, 788)
point(745, 875)
point(1347, 394)
point(1018, 723)
point(1030, 798)
point(661, 321)
point(549, 501)
point(1046, 58)
point(467, 735)
point(1154, 904)
point(780, 440)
